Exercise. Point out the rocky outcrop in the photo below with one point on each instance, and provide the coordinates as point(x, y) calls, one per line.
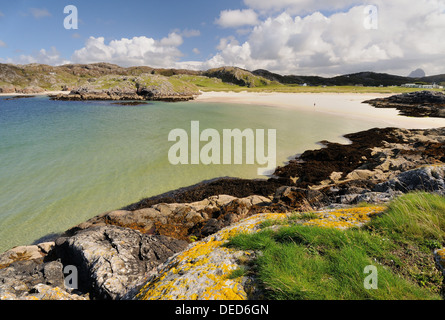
point(414, 104)
point(8, 89)
point(30, 90)
point(373, 156)
point(110, 260)
point(428, 178)
point(171, 245)
point(25, 276)
point(21, 253)
point(183, 221)
point(202, 271)
point(143, 87)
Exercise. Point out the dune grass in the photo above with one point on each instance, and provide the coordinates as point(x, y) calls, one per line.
point(306, 262)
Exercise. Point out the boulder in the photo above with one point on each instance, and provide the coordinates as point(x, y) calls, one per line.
point(427, 178)
point(19, 278)
point(25, 253)
point(179, 220)
point(360, 175)
point(299, 199)
point(111, 259)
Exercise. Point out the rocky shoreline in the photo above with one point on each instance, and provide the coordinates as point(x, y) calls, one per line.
point(146, 87)
point(116, 252)
point(414, 104)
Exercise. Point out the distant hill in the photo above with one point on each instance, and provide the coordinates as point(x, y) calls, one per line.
point(45, 77)
point(361, 78)
point(290, 79)
point(418, 73)
point(439, 79)
point(238, 76)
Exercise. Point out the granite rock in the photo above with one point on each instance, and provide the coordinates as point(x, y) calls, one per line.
point(111, 259)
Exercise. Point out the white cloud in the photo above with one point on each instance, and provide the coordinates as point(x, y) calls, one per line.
point(196, 51)
point(137, 51)
point(50, 57)
point(2, 14)
point(39, 13)
point(408, 37)
point(300, 7)
point(2, 44)
point(237, 18)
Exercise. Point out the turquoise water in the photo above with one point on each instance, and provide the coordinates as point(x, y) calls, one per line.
point(62, 163)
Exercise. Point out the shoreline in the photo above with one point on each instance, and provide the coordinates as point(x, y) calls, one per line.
point(339, 104)
point(172, 223)
point(297, 101)
point(46, 93)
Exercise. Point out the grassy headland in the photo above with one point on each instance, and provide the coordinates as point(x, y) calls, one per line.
point(298, 261)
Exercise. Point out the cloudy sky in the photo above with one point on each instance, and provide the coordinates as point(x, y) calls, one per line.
point(323, 37)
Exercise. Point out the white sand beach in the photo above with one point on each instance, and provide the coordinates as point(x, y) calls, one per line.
point(345, 104)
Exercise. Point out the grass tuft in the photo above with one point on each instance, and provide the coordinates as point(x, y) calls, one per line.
point(310, 262)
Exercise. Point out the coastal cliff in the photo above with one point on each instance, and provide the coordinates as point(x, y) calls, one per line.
point(155, 248)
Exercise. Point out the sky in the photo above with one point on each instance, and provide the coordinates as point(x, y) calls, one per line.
point(323, 37)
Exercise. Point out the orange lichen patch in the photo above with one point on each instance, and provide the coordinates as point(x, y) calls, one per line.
point(143, 228)
point(15, 257)
point(345, 218)
point(172, 229)
point(201, 272)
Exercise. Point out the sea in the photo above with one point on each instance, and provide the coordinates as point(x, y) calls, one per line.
point(63, 162)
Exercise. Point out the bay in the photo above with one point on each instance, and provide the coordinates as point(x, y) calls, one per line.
point(63, 162)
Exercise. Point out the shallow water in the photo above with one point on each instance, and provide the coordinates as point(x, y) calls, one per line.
point(62, 163)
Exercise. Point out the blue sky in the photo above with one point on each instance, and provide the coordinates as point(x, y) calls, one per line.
point(324, 37)
point(25, 33)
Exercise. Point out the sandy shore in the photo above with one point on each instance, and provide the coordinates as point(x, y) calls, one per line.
point(348, 105)
point(46, 93)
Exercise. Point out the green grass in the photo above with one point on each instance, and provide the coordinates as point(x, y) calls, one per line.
point(415, 217)
point(40, 78)
point(306, 262)
point(207, 84)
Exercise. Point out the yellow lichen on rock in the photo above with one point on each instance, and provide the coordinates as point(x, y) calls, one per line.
point(345, 218)
point(201, 272)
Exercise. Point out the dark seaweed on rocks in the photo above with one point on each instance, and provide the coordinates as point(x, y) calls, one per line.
point(414, 104)
point(309, 169)
point(314, 166)
point(235, 187)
